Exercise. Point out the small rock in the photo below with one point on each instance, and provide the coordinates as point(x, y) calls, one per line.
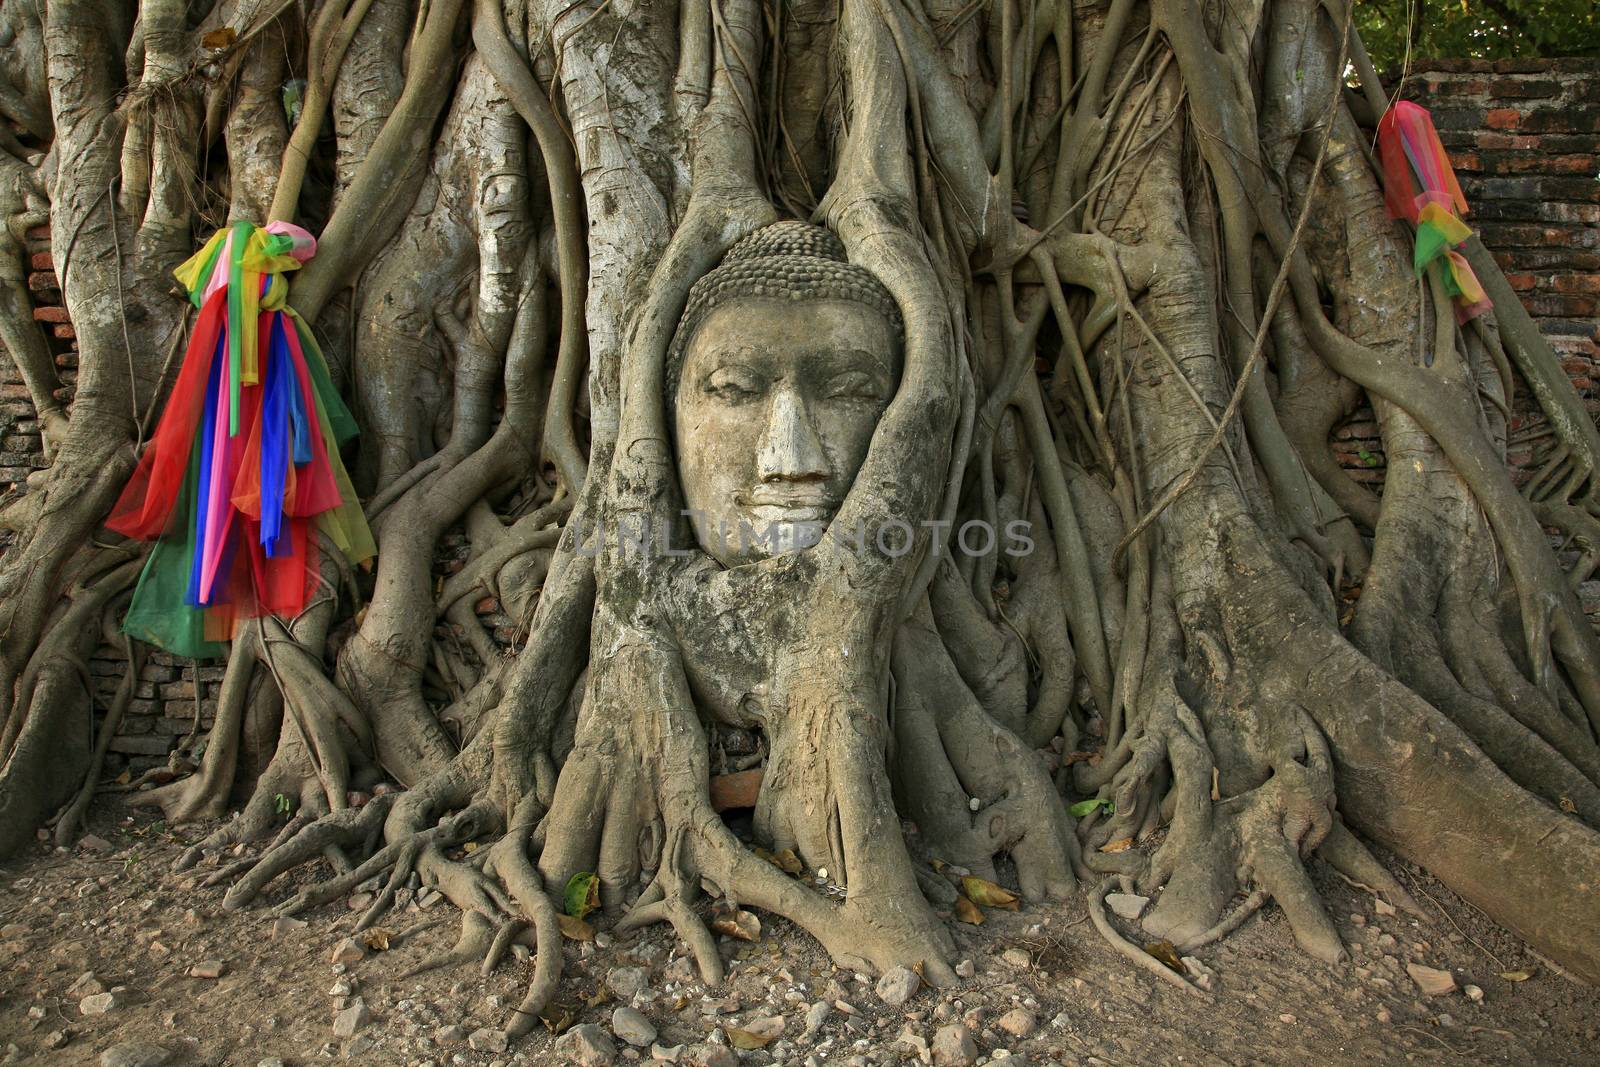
point(56, 1039)
point(348, 951)
point(1382, 907)
point(766, 1027)
point(897, 986)
point(271, 1061)
point(627, 982)
point(588, 1046)
point(966, 969)
point(488, 1039)
point(911, 1041)
point(1204, 976)
point(816, 1017)
point(706, 1054)
point(349, 1022)
point(1287, 1019)
point(666, 1054)
point(1018, 1022)
point(953, 1046)
point(1017, 957)
point(87, 985)
point(94, 843)
point(632, 1027)
point(1126, 905)
point(1473, 993)
point(1432, 981)
point(1384, 1017)
point(97, 1004)
point(1446, 1019)
point(135, 1054)
point(207, 969)
point(284, 925)
point(449, 1035)
point(13, 930)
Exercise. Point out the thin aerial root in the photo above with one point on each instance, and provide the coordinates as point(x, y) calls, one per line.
point(339, 885)
point(477, 934)
point(698, 937)
point(381, 903)
point(1228, 923)
point(349, 824)
point(1350, 858)
point(1140, 958)
point(502, 941)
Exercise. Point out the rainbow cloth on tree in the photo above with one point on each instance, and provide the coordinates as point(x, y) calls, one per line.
point(244, 467)
point(1413, 160)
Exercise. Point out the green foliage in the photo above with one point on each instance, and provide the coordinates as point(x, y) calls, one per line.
point(1398, 30)
point(582, 894)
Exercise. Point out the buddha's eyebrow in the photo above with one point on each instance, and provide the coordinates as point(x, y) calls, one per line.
point(874, 359)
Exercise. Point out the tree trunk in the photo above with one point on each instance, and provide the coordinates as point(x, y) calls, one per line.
point(1136, 262)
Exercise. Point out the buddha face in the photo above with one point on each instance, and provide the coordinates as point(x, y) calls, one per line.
point(777, 401)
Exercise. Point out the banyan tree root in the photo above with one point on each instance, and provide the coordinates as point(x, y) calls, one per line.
point(1120, 270)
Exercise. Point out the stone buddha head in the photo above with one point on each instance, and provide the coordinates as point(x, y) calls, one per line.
point(785, 358)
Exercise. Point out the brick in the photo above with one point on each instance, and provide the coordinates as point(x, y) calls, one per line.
point(1570, 142)
point(1503, 118)
point(1524, 88)
point(51, 314)
point(44, 281)
point(42, 261)
point(64, 331)
point(1490, 139)
point(1547, 164)
point(1562, 120)
point(1577, 283)
point(152, 745)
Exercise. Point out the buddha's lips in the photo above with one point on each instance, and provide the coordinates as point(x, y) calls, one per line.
point(769, 507)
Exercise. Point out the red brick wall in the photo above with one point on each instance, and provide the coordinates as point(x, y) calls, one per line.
point(19, 429)
point(1524, 136)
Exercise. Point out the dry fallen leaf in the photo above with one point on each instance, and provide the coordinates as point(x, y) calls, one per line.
point(220, 39)
point(1163, 951)
point(746, 1040)
point(558, 1018)
point(738, 924)
point(1119, 845)
point(376, 939)
point(984, 892)
point(1516, 976)
point(785, 860)
point(575, 929)
point(1568, 806)
point(968, 912)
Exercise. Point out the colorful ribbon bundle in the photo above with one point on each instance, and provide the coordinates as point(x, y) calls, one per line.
point(246, 457)
point(1413, 158)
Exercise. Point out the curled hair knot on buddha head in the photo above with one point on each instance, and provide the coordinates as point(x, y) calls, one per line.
point(787, 260)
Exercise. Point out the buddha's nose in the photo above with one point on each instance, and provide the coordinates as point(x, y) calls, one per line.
point(790, 448)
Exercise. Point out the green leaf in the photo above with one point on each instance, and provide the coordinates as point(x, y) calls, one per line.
point(582, 895)
point(1084, 807)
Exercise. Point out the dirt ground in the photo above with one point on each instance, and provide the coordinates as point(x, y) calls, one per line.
point(115, 911)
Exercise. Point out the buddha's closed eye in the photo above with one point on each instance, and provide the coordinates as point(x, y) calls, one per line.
point(855, 385)
point(733, 382)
